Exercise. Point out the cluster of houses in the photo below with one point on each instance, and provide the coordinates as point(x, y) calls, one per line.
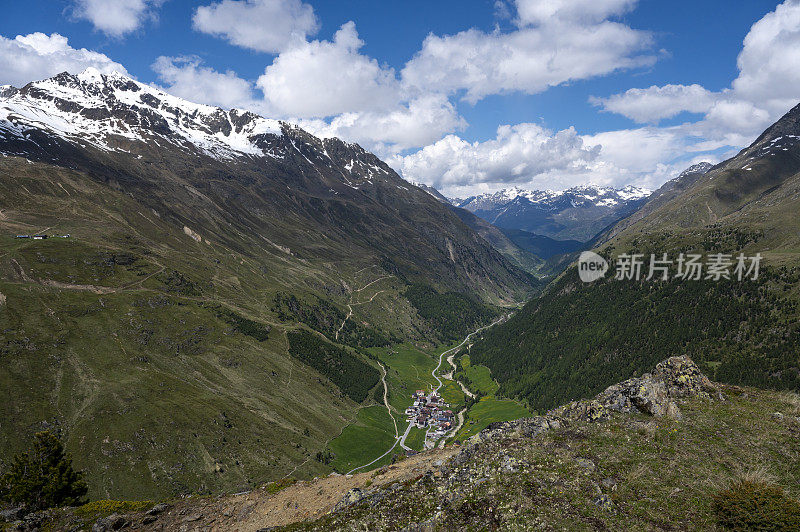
point(429, 411)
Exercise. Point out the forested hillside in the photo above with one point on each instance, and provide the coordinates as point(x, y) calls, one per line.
point(574, 341)
point(450, 314)
point(578, 338)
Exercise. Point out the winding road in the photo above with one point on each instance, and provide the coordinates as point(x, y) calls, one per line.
point(400, 440)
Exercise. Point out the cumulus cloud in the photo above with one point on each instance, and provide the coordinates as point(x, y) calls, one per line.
point(768, 61)
point(419, 122)
point(560, 47)
point(116, 18)
point(326, 78)
point(186, 77)
point(766, 87)
point(518, 154)
point(656, 103)
point(539, 12)
point(394, 125)
point(644, 156)
point(38, 56)
point(262, 25)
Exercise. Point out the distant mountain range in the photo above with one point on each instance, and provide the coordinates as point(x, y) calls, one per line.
point(578, 213)
point(529, 251)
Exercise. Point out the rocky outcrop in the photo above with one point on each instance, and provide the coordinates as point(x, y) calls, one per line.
point(352, 497)
point(654, 394)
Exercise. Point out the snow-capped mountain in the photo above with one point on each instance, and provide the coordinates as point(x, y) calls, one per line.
point(243, 180)
point(696, 169)
point(106, 110)
point(577, 213)
point(586, 194)
point(114, 113)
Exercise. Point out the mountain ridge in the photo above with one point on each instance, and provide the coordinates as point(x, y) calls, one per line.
point(578, 213)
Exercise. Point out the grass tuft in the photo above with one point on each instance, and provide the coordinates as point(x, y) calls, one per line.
point(755, 505)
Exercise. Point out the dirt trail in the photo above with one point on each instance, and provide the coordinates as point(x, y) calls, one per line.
point(56, 284)
point(310, 500)
point(386, 399)
point(349, 313)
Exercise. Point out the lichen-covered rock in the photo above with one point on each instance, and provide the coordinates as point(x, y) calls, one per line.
point(683, 378)
point(581, 411)
point(604, 502)
point(352, 497)
point(654, 394)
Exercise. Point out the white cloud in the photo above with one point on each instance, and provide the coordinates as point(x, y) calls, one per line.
point(262, 25)
point(326, 78)
point(767, 86)
point(656, 103)
point(524, 153)
point(187, 78)
point(539, 12)
point(420, 122)
point(38, 56)
point(768, 61)
point(116, 17)
point(395, 125)
point(644, 157)
point(559, 49)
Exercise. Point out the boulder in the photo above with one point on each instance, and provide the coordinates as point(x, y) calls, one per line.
point(158, 508)
point(604, 502)
point(654, 393)
point(12, 514)
point(107, 524)
point(350, 498)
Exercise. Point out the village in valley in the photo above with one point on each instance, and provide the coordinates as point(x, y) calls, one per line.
point(429, 411)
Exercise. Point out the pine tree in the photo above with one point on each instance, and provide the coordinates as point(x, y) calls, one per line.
point(44, 477)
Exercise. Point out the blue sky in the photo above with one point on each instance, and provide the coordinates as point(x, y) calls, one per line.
point(416, 103)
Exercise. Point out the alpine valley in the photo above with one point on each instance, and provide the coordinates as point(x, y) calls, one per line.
point(207, 302)
point(207, 310)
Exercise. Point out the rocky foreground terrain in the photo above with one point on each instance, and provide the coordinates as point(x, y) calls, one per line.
point(650, 453)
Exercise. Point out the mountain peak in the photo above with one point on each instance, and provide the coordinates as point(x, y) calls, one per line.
point(780, 136)
point(577, 213)
point(111, 110)
point(699, 168)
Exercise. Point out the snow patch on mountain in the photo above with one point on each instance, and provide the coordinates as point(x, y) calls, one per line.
point(584, 195)
point(104, 109)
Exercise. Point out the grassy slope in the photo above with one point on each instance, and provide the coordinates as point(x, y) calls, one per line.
point(659, 474)
point(369, 437)
point(144, 376)
point(489, 408)
point(479, 378)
